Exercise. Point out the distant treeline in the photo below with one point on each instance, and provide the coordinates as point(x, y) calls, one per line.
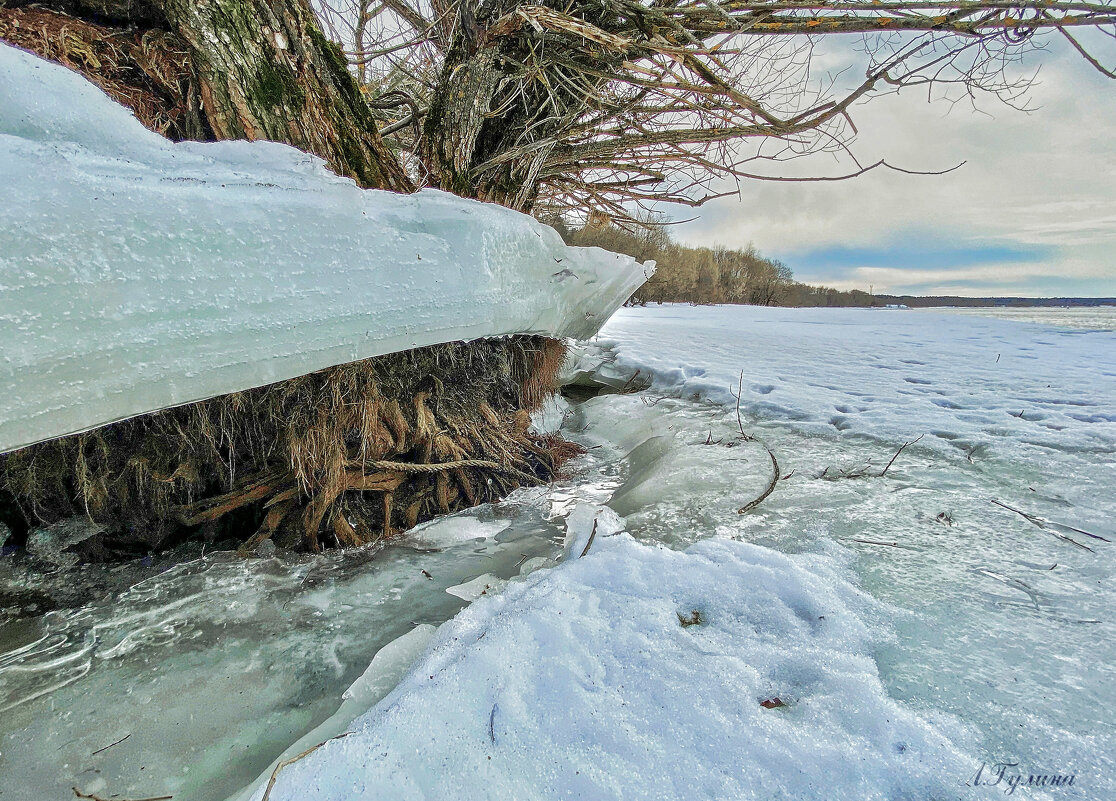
point(709, 275)
point(915, 301)
point(732, 275)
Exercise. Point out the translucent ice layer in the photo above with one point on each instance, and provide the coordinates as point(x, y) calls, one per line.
point(138, 274)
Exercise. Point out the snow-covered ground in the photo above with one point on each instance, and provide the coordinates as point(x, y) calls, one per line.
point(913, 630)
point(138, 274)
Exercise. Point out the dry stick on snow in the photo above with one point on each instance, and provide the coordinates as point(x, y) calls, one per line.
point(902, 448)
point(592, 536)
point(1043, 524)
point(626, 389)
point(94, 797)
point(863, 471)
point(775, 474)
point(110, 745)
point(291, 761)
point(1040, 522)
point(739, 422)
point(1011, 582)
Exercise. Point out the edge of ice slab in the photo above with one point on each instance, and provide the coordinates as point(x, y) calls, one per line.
point(137, 274)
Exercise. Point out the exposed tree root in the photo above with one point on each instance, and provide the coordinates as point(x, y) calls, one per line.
point(342, 457)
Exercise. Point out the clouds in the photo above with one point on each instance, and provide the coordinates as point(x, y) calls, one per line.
point(1032, 211)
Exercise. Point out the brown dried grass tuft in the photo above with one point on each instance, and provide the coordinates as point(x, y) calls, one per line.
point(344, 456)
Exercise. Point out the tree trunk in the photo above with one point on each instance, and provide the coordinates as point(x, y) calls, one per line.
point(266, 71)
point(484, 107)
point(258, 69)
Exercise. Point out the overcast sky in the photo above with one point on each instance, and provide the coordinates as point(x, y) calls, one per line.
point(1032, 212)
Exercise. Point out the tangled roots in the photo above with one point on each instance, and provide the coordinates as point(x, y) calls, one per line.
point(341, 457)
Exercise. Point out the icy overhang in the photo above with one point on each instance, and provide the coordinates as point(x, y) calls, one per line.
point(138, 274)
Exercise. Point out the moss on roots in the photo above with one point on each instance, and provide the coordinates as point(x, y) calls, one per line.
point(340, 457)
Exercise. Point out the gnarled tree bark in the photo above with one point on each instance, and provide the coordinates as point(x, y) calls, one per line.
point(266, 71)
point(258, 69)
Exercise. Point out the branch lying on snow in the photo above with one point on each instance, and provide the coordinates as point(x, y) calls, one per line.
point(291, 761)
point(863, 472)
point(1011, 582)
point(592, 536)
point(94, 797)
point(874, 542)
point(1044, 525)
point(775, 475)
point(746, 437)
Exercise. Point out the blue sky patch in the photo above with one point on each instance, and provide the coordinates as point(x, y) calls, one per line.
point(915, 254)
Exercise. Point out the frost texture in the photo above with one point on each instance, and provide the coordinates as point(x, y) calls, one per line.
point(587, 685)
point(138, 274)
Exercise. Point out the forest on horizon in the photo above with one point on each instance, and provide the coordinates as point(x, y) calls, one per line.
point(714, 275)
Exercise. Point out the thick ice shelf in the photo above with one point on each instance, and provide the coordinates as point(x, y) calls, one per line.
point(138, 274)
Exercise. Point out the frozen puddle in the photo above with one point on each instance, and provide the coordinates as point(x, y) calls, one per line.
point(851, 638)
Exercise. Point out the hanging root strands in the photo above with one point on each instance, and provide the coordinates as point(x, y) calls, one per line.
point(341, 457)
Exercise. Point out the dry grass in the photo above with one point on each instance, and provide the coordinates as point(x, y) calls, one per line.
point(344, 456)
point(149, 72)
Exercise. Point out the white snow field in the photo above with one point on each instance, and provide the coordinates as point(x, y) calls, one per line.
point(982, 654)
point(138, 274)
point(910, 649)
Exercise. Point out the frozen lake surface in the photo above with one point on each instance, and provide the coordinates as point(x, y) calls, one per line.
point(1094, 318)
point(911, 629)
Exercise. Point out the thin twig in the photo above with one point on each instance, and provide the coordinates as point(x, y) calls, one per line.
point(775, 474)
point(110, 745)
point(902, 448)
point(626, 388)
point(94, 797)
point(1012, 582)
point(291, 761)
point(739, 422)
point(862, 472)
point(873, 542)
point(592, 536)
point(1038, 521)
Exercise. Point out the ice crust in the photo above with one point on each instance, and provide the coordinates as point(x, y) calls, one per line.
point(969, 383)
point(138, 274)
point(586, 685)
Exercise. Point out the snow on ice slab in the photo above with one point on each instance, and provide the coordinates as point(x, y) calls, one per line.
point(583, 682)
point(138, 274)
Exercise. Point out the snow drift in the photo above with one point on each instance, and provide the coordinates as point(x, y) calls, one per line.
point(640, 672)
point(138, 274)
